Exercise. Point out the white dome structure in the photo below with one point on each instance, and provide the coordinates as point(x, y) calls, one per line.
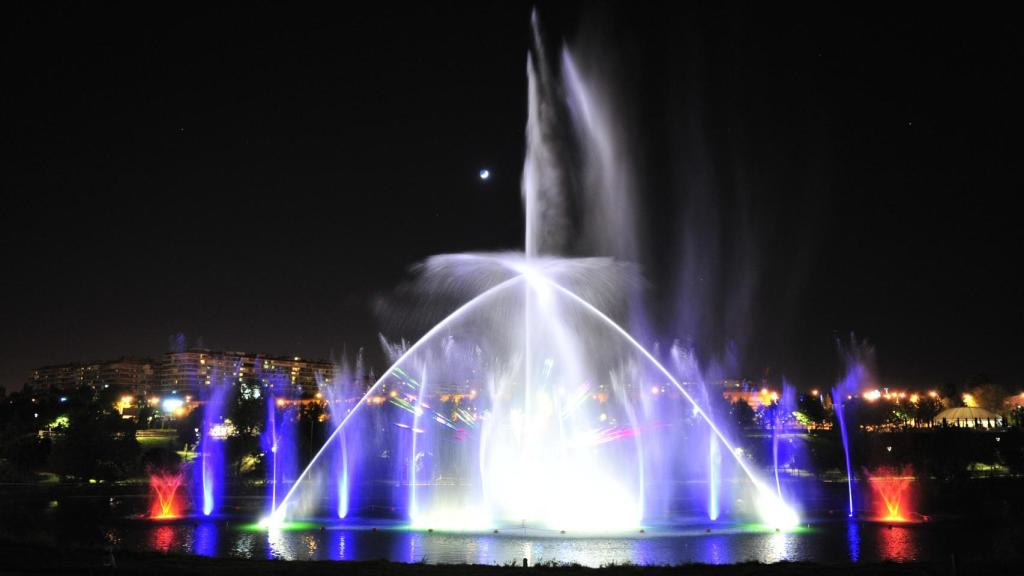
point(969, 417)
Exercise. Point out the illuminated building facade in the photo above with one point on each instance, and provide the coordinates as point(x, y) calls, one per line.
point(137, 375)
point(187, 371)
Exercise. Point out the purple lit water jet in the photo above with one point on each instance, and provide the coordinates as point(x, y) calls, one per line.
point(211, 444)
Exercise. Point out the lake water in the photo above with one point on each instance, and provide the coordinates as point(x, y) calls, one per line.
point(82, 521)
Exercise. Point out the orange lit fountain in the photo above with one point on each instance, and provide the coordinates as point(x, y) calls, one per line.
point(892, 492)
point(165, 502)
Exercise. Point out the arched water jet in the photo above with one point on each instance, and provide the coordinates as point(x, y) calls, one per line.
point(774, 512)
point(536, 487)
point(279, 513)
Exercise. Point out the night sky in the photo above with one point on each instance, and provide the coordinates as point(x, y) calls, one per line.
point(261, 178)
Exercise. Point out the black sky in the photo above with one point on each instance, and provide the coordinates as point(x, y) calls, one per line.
point(261, 176)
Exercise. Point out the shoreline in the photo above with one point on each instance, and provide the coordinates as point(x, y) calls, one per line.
point(19, 558)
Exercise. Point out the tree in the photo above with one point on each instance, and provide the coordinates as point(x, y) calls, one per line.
point(95, 446)
point(989, 396)
point(742, 413)
point(812, 409)
point(187, 427)
point(926, 409)
point(247, 412)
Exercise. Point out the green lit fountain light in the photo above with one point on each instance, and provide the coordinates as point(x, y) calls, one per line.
point(286, 526)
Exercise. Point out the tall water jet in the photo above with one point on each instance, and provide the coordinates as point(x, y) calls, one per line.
point(278, 440)
point(782, 410)
point(340, 394)
point(858, 357)
point(209, 475)
point(839, 403)
point(714, 477)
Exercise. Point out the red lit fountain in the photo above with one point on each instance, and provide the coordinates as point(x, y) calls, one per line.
point(892, 494)
point(165, 502)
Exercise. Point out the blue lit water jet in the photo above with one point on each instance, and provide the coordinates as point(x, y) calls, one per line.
point(213, 451)
point(841, 418)
point(278, 440)
point(209, 470)
point(858, 357)
point(338, 394)
point(714, 481)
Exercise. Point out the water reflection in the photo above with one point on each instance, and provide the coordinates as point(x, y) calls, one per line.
point(246, 545)
point(311, 545)
point(412, 546)
point(897, 543)
point(853, 540)
point(527, 552)
point(826, 542)
point(204, 539)
point(334, 548)
point(163, 538)
point(779, 545)
point(712, 550)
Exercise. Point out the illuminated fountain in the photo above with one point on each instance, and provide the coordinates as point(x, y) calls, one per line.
point(165, 500)
point(340, 395)
point(278, 439)
point(664, 460)
point(892, 494)
point(858, 357)
point(783, 448)
point(531, 405)
point(209, 467)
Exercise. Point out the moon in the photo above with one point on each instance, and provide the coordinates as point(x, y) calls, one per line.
point(485, 173)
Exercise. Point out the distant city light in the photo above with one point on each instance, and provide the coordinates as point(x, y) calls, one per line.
point(63, 398)
point(171, 405)
point(872, 395)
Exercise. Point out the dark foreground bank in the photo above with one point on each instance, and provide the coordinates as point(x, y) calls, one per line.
point(36, 559)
